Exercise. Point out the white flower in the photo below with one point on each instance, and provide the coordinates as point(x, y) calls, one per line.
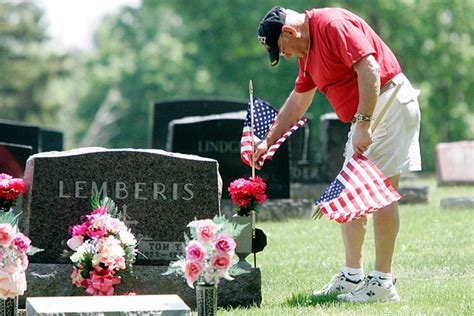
point(127, 237)
point(75, 242)
point(82, 249)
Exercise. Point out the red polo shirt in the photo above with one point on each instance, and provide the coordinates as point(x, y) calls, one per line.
point(339, 39)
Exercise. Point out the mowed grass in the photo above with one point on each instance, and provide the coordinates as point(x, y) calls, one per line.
point(433, 263)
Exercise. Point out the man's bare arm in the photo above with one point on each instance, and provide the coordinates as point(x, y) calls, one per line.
point(368, 79)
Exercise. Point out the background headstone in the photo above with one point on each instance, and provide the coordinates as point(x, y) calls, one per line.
point(51, 140)
point(466, 202)
point(414, 194)
point(303, 167)
point(455, 162)
point(21, 134)
point(159, 193)
point(13, 159)
point(218, 137)
point(333, 138)
point(166, 111)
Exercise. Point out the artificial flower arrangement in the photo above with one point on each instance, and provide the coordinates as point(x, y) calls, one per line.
point(247, 195)
point(209, 252)
point(104, 249)
point(15, 247)
point(10, 190)
point(14, 251)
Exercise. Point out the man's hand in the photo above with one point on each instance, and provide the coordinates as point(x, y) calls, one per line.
point(361, 139)
point(259, 150)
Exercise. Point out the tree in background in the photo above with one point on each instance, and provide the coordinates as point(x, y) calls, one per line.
point(26, 64)
point(180, 49)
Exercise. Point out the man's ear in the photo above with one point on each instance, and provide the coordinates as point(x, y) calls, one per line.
point(289, 30)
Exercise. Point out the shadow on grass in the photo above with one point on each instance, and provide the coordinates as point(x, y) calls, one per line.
point(306, 299)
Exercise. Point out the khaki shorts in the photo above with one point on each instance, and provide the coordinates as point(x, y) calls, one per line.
point(395, 147)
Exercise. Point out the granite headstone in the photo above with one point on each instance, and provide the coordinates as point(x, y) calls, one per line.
point(21, 134)
point(218, 137)
point(455, 162)
point(51, 140)
point(166, 111)
point(13, 159)
point(159, 193)
point(333, 138)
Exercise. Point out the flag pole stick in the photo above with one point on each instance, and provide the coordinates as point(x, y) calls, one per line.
point(251, 124)
point(385, 107)
point(253, 165)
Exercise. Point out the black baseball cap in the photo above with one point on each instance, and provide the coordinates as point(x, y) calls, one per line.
point(269, 31)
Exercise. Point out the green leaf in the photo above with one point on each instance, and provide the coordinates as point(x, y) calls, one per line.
point(10, 218)
point(34, 250)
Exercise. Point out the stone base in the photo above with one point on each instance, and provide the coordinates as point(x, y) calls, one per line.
point(414, 194)
point(139, 305)
point(466, 202)
point(276, 209)
point(54, 280)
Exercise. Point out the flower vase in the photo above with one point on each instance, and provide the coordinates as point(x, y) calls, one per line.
point(244, 240)
point(9, 306)
point(206, 299)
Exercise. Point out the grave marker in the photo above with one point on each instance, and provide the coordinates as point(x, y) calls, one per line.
point(455, 162)
point(159, 193)
point(218, 137)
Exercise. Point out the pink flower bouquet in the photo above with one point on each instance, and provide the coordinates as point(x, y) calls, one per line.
point(14, 248)
point(247, 195)
point(208, 255)
point(10, 189)
point(103, 249)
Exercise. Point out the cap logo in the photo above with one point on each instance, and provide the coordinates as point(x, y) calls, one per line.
point(263, 41)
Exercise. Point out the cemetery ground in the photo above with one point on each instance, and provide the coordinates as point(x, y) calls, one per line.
point(433, 262)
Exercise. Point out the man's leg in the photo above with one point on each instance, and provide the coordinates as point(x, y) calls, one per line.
point(351, 278)
point(386, 225)
point(378, 285)
point(353, 234)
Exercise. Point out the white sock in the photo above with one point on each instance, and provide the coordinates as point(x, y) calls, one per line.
point(353, 274)
point(384, 278)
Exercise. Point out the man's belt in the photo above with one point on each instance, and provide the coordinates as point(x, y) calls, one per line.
point(390, 84)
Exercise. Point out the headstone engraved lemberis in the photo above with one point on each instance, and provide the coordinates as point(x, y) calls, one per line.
point(158, 193)
point(145, 185)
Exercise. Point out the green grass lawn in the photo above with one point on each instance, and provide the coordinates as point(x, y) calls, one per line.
point(433, 263)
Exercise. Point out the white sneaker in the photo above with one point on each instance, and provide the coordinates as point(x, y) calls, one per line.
point(372, 291)
point(339, 284)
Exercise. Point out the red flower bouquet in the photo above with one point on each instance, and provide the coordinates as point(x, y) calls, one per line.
point(10, 189)
point(247, 195)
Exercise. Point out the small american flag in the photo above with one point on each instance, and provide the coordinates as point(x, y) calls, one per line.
point(264, 117)
point(359, 189)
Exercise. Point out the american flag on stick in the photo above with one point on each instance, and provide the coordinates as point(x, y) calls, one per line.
point(359, 189)
point(264, 117)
